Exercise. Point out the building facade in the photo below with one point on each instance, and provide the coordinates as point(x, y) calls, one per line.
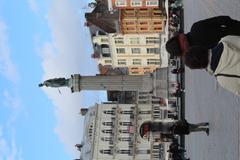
point(140, 53)
point(142, 21)
point(102, 20)
point(112, 131)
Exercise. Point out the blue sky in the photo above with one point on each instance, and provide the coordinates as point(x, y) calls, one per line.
point(40, 40)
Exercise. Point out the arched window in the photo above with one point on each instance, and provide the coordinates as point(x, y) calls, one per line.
point(107, 131)
point(106, 138)
point(125, 139)
point(125, 123)
point(112, 112)
point(107, 123)
point(106, 151)
point(124, 151)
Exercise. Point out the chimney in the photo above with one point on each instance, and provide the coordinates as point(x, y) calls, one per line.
point(83, 111)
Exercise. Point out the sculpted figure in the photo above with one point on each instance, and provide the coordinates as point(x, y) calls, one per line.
point(55, 82)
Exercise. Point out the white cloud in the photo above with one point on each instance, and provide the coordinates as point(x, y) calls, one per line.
point(7, 66)
point(11, 100)
point(13, 103)
point(33, 5)
point(9, 150)
point(15, 153)
point(68, 53)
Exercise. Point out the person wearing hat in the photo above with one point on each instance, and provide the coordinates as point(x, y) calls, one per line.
point(205, 33)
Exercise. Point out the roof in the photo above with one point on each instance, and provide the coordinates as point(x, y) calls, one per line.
point(101, 18)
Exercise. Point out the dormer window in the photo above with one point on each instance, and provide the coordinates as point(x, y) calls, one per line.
point(121, 3)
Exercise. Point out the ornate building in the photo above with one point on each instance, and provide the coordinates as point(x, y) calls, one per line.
point(112, 131)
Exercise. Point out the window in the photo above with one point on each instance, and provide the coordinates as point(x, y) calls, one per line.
point(129, 12)
point(107, 123)
point(123, 131)
point(151, 3)
point(136, 3)
point(121, 3)
point(129, 22)
point(135, 72)
point(126, 112)
point(134, 40)
point(143, 23)
point(136, 50)
point(106, 151)
point(152, 40)
point(123, 151)
point(143, 151)
point(143, 28)
point(157, 28)
point(157, 22)
point(124, 139)
point(108, 61)
point(157, 12)
point(109, 112)
point(130, 28)
point(125, 123)
point(144, 112)
point(104, 40)
point(119, 40)
point(134, 68)
point(107, 131)
point(122, 62)
point(153, 50)
point(137, 62)
point(105, 50)
point(106, 138)
point(153, 61)
point(120, 50)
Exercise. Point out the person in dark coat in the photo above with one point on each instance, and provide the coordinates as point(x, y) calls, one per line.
point(205, 33)
point(180, 127)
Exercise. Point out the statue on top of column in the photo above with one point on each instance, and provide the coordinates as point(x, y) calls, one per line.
point(55, 82)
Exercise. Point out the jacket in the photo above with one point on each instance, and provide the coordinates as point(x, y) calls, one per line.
point(227, 71)
point(208, 32)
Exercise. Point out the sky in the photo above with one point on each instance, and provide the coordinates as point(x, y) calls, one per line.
point(42, 39)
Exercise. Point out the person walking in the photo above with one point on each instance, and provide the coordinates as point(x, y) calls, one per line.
point(179, 127)
point(206, 33)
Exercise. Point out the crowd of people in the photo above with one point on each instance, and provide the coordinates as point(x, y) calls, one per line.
point(212, 44)
point(177, 152)
point(175, 16)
